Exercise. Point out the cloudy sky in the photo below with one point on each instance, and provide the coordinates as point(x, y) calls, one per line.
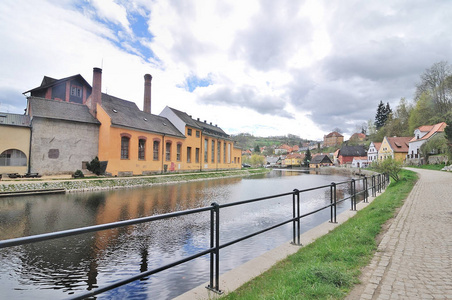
point(261, 67)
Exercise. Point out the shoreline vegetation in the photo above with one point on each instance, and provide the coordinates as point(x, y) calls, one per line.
point(330, 267)
point(91, 184)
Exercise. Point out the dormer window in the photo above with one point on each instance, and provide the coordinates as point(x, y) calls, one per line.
point(76, 91)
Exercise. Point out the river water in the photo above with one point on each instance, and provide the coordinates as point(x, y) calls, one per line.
point(66, 267)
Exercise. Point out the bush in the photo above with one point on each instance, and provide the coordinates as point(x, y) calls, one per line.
point(78, 174)
point(94, 166)
point(389, 166)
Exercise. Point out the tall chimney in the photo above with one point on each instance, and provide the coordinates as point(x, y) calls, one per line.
point(147, 93)
point(96, 96)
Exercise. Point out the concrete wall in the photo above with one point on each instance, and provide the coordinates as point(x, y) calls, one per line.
point(60, 147)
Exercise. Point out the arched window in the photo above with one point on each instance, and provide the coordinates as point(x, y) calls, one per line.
point(13, 157)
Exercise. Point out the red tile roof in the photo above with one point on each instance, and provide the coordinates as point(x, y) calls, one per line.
point(431, 129)
point(399, 144)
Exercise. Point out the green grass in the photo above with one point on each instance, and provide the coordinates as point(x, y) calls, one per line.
point(437, 167)
point(330, 267)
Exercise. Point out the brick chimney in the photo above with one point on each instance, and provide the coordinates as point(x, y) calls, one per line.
point(96, 95)
point(147, 93)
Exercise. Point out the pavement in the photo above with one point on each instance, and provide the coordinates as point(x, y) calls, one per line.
point(414, 258)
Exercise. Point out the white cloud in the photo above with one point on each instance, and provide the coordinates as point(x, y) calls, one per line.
point(273, 67)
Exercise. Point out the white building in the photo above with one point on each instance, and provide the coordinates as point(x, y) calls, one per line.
point(421, 135)
point(372, 153)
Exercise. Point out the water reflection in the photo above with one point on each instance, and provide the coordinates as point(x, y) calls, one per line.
point(57, 268)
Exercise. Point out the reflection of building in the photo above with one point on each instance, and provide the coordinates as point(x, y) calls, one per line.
point(15, 143)
point(72, 122)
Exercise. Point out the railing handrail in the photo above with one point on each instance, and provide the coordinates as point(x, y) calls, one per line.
point(377, 183)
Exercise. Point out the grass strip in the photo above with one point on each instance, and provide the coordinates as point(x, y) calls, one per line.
point(329, 267)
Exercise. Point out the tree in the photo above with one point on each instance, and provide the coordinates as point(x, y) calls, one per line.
point(307, 158)
point(94, 166)
point(389, 166)
point(257, 160)
point(382, 115)
point(435, 145)
point(422, 113)
point(257, 149)
point(437, 83)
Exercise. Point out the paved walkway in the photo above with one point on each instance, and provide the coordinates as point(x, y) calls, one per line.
point(414, 258)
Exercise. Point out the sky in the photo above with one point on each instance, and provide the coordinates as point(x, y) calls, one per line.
point(267, 68)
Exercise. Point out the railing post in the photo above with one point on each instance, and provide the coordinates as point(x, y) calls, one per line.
point(366, 195)
point(333, 202)
point(353, 194)
point(374, 191)
point(215, 243)
point(296, 217)
point(379, 183)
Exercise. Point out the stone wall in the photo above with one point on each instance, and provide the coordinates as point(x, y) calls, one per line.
point(60, 147)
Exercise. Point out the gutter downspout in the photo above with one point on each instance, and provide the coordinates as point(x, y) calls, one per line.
point(200, 153)
point(29, 148)
point(163, 151)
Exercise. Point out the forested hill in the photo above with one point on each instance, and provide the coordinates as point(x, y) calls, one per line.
point(248, 141)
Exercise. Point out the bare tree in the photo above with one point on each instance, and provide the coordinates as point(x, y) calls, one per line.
point(437, 83)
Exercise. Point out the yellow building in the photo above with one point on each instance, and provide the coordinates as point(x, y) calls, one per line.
point(210, 147)
point(294, 160)
point(394, 147)
point(15, 143)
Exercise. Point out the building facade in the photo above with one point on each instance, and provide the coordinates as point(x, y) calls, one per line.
point(15, 135)
point(333, 139)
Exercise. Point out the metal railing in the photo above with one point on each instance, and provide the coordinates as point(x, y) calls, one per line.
point(378, 182)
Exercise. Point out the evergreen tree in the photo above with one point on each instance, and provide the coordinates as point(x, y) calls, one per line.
point(257, 149)
point(382, 115)
point(307, 158)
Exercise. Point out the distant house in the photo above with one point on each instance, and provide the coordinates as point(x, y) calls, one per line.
point(358, 137)
point(372, 153)
point(294, 160)
point(394, 147)
point(360, 162)
point(333, 139)
point(273, 161)
point(320, 161)
point(15, 143)
point(347, 153)
point(421, 135)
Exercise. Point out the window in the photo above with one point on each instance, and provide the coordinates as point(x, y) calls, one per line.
point(198, 133)
point(141, 149)
point(168, 151)
point(206, 152)
point(197, 155)
point(125, 147)
point(13, 157)
point(213, 151)
point(76, 91)
point(178, 151)
point(229, 153)
point(224, 153)
point(189, 131)
point(218, 152)
point(155, 149)
point(188, 154)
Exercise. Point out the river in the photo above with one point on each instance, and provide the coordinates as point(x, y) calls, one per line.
point(70, 266)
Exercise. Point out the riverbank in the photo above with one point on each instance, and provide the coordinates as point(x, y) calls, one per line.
point(109, 183)
point(330, 267)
